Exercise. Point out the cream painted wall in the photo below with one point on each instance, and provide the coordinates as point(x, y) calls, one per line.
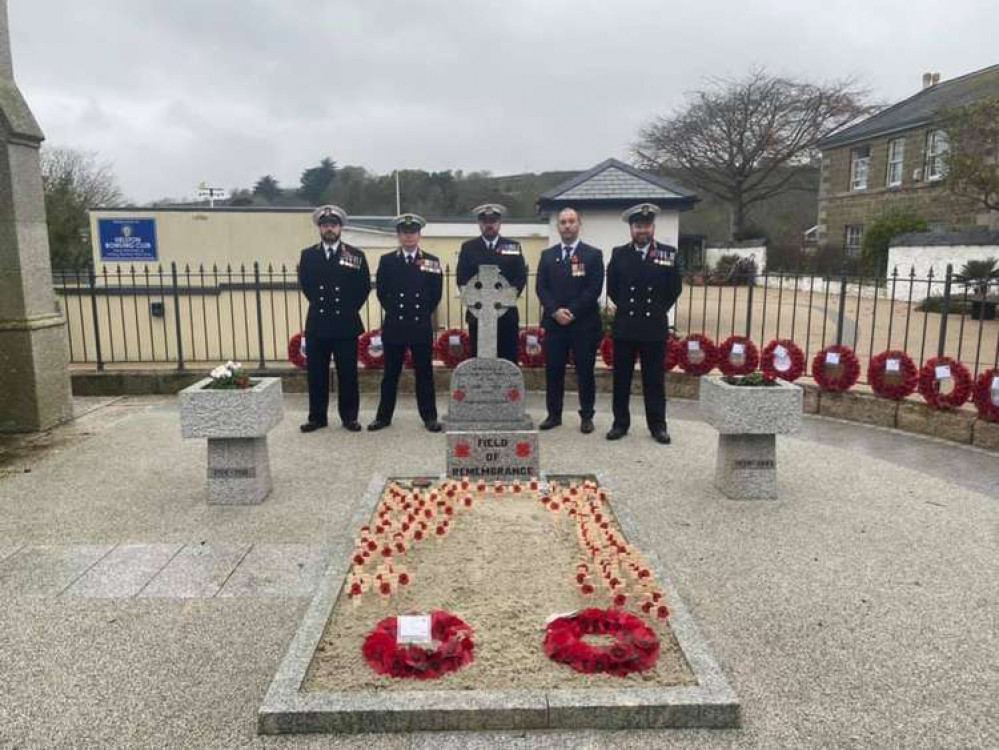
point(230, 237)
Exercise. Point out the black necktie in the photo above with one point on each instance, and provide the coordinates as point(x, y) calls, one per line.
point(566, 254)
point(411, 259)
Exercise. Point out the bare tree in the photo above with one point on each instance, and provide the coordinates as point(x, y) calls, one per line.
point(972, 160)
point(74, 182)
point(740, 139)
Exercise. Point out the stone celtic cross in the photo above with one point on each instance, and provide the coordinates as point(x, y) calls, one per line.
point(488, 295)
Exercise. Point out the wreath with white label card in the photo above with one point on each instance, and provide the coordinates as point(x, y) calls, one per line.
point(738, 355)
point(945, 383)
point(531, 347)
point(782, 358)
point(449, 647)
point(836, 368)
point(986, 395)
point(697, 354)
point(453, 347)
point(892, 374)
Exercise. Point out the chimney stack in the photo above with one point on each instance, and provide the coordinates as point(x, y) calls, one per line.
point(927, 80)
point(935, 80)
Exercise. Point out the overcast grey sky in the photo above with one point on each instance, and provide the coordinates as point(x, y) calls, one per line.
point(179, 91)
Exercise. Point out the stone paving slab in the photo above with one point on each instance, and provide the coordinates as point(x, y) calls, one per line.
point(124, 571)
point(277, 570)
point(6, 550)
point(47, 569)
point(198, 570)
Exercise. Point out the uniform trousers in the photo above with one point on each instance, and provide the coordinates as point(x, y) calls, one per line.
point(426, 401)
point(559, 341)
point(318, 353)
point(651, 355)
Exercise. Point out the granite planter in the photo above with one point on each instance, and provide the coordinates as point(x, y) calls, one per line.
point(748, 418)
point(236, 423)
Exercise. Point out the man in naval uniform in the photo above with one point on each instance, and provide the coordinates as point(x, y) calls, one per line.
point(409, 284)
point(643, 281)
point(334, 277)
point(570, 280)
point(492, 249)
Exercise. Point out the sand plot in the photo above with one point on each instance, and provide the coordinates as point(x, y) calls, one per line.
point(505, 565)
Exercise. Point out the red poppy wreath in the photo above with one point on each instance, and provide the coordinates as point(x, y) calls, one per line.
point(836, 368)
point(892, 374)
point(782, 358)
point(938, 371)
point(697, 354)
point(737, 355)
point(531, 347)
point(295, 354)
point(635, 647)
point(986, 395)
point(453, 648)
point(453, 347)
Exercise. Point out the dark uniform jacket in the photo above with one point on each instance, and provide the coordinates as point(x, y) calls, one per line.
point(575, 285)
point(507, 255)
point(643, 290)
point(336, 289)
point(409, 294)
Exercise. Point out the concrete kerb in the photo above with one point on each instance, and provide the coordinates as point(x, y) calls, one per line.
point(286, 709)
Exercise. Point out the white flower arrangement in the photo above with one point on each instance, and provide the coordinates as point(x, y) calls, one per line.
point(229, 376)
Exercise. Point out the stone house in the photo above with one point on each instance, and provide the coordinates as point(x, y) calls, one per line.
point(895, 159)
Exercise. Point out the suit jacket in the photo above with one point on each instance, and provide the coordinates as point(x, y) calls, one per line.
point(575, 285)
point(643, 291)
point(510, 259)
point(409, 294)
point(336, 289)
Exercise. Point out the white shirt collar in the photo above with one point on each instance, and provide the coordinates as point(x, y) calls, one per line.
point(643, 249)
point(331, 249)
point(494, 241)
point(572, 246)
point(409, 253)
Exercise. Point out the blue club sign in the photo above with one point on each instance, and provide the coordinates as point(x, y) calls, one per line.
point(128, 240)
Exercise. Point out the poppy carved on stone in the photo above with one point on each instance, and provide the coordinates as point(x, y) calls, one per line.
point(523, 449)
point(462, 450)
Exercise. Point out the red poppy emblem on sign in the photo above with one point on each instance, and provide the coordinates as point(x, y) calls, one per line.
point(513, 394)
point(523, 449)
point(459, 395)
point(462, 450)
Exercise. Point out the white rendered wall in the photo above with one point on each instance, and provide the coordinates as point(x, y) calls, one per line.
point(604, 229)
point(922, 259)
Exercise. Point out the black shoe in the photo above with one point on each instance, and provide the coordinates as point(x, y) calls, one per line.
point(354, 426)
point(311, 427)
point(549, 423)
point(661, 435)
point(586, 426)
point(433, 425)
point(616, 433)
point(378, 424)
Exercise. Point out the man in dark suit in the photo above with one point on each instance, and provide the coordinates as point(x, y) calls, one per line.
point(492, 249)
point(409, 284)
point(570, 279)
point(334, 277)
point(643, 281)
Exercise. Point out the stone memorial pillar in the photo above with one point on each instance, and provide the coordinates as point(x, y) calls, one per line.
point(489, 434)
point(34, 376)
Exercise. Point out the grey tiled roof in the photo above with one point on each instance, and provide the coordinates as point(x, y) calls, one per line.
point(613, 180)
point(921, 108)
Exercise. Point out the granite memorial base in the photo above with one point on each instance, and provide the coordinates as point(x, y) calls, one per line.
point(235, 423)
point(747, 419)
point(239, 471)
